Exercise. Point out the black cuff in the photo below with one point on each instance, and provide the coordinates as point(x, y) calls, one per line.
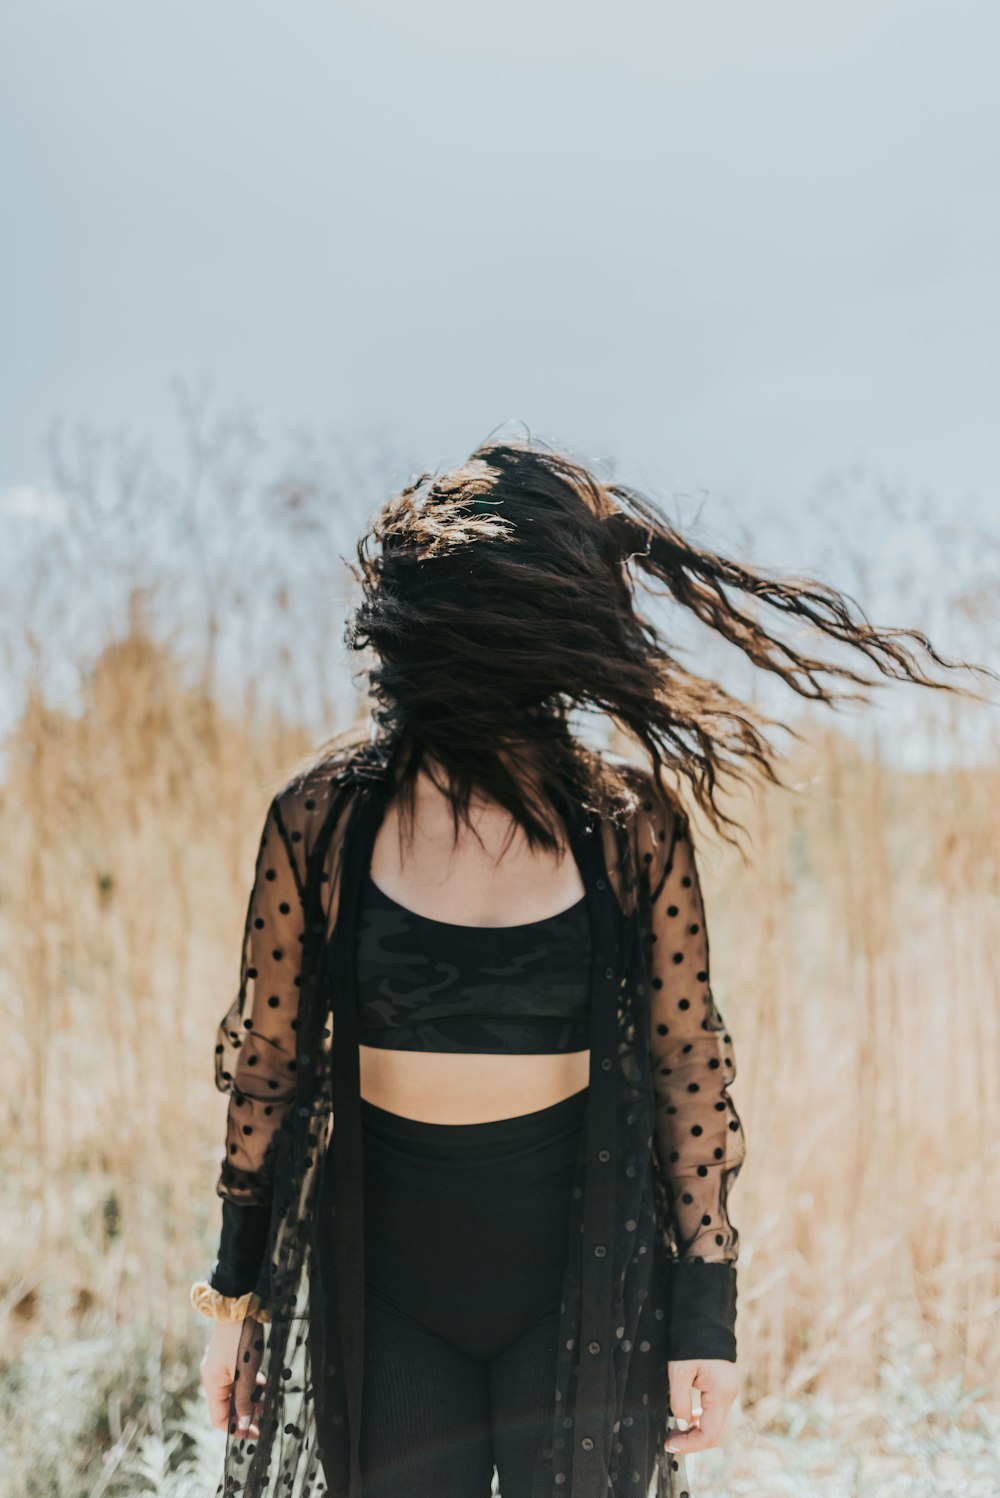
point(242, 1247)
point(702, 1310)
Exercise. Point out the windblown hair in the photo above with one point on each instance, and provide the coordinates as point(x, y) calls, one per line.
point(501, 594)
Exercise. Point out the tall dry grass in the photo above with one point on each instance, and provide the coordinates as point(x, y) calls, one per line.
point(856, 959)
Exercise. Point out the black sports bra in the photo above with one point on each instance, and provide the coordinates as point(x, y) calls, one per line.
point(427, 985)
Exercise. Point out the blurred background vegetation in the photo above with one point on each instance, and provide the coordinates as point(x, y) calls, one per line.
point(171, 646)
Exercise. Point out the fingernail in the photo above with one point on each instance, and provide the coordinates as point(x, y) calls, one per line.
point(668, 1447)
point(681, 1424)
point(244, 1421)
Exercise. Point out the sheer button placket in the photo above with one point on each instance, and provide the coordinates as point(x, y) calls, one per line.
point(594, 1382)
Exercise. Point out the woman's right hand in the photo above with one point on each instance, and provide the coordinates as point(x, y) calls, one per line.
point(218, 1374)
point(718, 1382)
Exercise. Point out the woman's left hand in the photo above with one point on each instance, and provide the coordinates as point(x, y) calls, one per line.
point(718, 1383)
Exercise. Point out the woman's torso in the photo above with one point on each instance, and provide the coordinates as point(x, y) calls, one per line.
point(467, 886)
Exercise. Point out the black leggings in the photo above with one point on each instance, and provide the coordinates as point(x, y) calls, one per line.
point(466, 1242)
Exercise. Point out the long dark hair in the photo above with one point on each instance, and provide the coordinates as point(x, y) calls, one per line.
point(499, 595)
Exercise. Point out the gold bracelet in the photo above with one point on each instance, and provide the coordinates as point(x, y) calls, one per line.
point(211, 1302)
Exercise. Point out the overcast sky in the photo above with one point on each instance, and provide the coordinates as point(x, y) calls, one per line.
point(736, 249)
point(741, 244)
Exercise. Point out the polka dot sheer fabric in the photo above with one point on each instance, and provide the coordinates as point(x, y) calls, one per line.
point(651, 1271)
point(256, 1057)
point(700, 1141)
point(272, 1058)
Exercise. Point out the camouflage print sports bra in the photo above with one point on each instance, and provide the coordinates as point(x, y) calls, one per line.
point(427, 985)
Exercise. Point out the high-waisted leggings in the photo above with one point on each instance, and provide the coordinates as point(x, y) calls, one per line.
point(466, 1243)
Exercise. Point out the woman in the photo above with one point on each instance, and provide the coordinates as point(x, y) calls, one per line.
point(480, 1136)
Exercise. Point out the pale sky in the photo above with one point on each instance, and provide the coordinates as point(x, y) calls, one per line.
point(736, 249)
point(740, 244)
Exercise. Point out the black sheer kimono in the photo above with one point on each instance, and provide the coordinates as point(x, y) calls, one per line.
point(651, 1266)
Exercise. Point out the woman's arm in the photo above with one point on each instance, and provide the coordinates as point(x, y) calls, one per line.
point(255, 1051)
point(699, 1138)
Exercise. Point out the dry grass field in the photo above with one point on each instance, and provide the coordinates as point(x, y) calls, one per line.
point(857, 959)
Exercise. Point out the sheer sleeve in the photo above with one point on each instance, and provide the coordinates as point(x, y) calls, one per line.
point(255, 1053)
point(699, 1139)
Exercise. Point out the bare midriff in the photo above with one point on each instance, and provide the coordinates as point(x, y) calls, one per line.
point(441, 1087)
